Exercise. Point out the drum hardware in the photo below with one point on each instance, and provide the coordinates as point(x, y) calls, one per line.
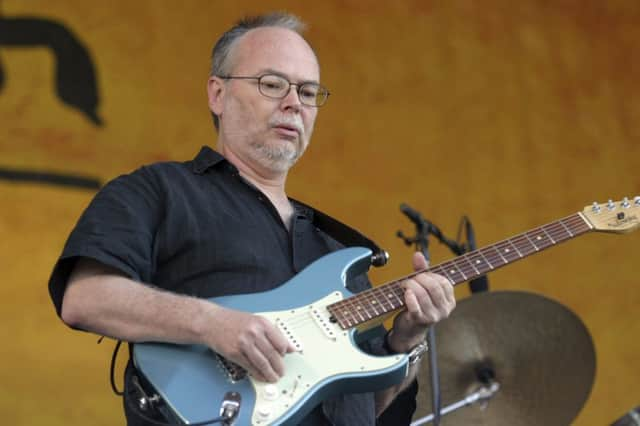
point(535, 351)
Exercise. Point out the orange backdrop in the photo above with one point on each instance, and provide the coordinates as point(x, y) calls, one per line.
point(514, 113)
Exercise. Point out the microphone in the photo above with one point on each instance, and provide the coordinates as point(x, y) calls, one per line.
point(413, 215)
point(481, 283)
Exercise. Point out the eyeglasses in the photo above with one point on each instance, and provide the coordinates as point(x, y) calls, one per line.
point(277, 87)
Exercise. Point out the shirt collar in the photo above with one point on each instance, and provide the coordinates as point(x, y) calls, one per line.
point(208, 158)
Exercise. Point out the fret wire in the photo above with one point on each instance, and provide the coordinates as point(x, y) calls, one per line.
point(514, 240)
point(556, 232)
point(400, 301)
point(392, 292)
point(502, 251)
point(539, 234)
point(460, 270)
point(336, 310)
point(466, 257)
point(359, 312)
point(373, 306)
point(533, 241)
point(561, 232)
point(349, 307)
point(511, 250)
point(377, 303)
point(390, 296)
point(523, 242)
point(379, 294)
point(547, 234)
point(360, 308)
point(481, 261)
point(474, 261)
point(485, 259)
point(444, 268)
point(575, 223)
point(466, 267)
point(349, 316)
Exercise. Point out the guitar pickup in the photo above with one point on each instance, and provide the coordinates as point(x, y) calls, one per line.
point(323, 321)
point(288, 332)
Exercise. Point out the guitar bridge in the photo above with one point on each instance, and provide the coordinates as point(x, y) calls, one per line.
point(232, 370)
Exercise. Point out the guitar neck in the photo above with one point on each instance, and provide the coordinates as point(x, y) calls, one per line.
point(385, 299)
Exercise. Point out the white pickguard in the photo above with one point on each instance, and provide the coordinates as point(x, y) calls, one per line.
point(324, 352)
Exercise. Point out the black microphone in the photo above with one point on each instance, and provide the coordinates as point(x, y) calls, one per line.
point(412, 214)
point(481, 283)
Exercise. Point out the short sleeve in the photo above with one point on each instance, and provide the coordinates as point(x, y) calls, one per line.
point(117, 229)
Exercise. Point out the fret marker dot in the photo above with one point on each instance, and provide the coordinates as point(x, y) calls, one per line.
point(478, 262)
point(359, 307)
point(538, 238)
point(506, 250)
point(373, 302)
point(452, 271)
point(389, 295)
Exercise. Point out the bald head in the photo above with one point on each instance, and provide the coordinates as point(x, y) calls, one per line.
point(223, 55)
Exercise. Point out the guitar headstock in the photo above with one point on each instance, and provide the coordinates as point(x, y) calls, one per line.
point(614, 216)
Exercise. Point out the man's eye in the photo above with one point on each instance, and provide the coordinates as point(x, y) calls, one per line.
point(273, 85)
point(309, 92)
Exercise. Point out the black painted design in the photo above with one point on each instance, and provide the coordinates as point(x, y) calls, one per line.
point(75, 74)
point(75, 80)
point(60, 179)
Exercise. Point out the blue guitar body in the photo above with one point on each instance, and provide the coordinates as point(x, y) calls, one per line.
point(193, 380)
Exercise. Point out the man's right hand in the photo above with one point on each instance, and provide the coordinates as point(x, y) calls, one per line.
point(250, 341)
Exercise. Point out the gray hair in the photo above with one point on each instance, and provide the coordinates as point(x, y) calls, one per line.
point(223, 49)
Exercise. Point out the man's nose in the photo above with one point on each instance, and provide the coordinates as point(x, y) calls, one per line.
point(292, 98)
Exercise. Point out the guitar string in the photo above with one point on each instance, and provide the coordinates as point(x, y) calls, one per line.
point(545, 236)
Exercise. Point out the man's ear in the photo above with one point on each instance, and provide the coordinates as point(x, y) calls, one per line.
point(215, 92)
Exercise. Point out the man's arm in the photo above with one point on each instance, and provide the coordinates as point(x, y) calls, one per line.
point(429, 298)
point(102, 300)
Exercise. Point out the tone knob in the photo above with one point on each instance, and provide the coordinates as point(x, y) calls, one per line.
point(271, 392)
point(264, 412)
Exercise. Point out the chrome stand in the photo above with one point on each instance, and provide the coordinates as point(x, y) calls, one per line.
point(483, 395)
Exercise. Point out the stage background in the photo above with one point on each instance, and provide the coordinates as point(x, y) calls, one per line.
point(515, 114)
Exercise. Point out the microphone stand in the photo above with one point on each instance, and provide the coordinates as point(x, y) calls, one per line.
point(423, 229)
point(421, 241)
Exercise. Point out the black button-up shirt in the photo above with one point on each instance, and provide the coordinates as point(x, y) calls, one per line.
point(199, 228)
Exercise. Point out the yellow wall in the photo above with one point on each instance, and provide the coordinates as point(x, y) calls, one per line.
point(514, 113)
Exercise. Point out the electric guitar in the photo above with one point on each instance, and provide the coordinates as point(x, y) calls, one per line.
point(316, 312)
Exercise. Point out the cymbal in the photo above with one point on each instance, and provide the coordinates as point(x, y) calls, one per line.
point(538, 351)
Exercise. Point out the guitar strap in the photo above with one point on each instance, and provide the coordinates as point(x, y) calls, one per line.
point(346, 235)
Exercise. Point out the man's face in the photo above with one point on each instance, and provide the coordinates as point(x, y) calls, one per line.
point(265, 132)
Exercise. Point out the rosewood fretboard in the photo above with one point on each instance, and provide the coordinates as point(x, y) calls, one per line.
point(384, 299)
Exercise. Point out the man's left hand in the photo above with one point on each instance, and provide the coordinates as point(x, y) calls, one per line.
point(428, 298)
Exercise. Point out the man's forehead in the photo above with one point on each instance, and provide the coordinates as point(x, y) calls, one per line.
point(275, 48)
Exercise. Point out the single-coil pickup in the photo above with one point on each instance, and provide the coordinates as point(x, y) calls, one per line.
point(288, 332)
point(322, 319)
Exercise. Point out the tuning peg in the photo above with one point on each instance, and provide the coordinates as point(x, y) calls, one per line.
point(596, 207)
point(625, 202)
point(636, 200)
point(610, 205)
